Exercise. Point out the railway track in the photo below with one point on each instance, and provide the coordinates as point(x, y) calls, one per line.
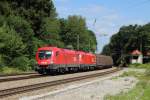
point(19, 77)
point(5, 75)
point(13, 91)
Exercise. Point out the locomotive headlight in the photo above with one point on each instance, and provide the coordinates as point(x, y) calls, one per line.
point(52, 62)
point(43, 62)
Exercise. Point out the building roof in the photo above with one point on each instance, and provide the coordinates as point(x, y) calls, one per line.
point(136, 52)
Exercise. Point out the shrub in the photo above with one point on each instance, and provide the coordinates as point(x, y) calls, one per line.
point(11, 44)
point(1, 61)
point(22, 63)
point(32, 64)
point(9, 70)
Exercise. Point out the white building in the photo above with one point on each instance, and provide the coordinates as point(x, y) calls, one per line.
point(137, 57)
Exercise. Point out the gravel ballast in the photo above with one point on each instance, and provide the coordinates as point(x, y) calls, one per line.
point(25, 82)
point(93, 90)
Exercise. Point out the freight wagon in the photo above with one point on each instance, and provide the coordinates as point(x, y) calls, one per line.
point(103, 61)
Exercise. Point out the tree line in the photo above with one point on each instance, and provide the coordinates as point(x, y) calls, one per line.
point(26, 25)
point(129, 38)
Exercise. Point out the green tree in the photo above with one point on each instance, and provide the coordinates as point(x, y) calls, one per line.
point(34, 11)
point(11, 44)
point(92, 41)
point(26, 25)
point(128, 38)
point(24, 30)
point(50, 32)
point(21, 26)
point(75, 26)
point(5, 8)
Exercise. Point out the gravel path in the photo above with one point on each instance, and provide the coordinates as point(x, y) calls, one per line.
point(93, 90)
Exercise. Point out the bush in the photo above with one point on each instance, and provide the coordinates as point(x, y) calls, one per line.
point(11, 44)
point(9, 70)
point(22, 63)
point(32, 63)
point(1, 61)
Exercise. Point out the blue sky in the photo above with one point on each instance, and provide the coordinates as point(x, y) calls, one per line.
point(110, 15)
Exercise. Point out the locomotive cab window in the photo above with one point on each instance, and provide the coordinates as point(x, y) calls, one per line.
point(45, 54)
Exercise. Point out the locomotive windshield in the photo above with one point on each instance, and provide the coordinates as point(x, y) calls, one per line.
point(45, 54)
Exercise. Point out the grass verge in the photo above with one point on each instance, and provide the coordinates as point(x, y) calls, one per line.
point(136, 65)
point(140, 92)
point(10, 70)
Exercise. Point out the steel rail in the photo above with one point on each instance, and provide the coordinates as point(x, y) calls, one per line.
point(20, 77)
point(13, 91)
point(26, 73)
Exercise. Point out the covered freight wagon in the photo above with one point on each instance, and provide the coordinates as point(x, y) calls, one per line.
point(103, 61)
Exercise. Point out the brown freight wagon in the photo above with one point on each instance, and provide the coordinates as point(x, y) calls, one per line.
point(103, 61)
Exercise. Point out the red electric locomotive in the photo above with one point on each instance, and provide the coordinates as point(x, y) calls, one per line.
point(52, 59)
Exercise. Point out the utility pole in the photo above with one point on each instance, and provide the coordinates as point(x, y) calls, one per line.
point(78, 45)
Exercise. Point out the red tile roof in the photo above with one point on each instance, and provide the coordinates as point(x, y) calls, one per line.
point(136, 52)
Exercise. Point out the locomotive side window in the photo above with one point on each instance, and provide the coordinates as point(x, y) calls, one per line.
point(45, 54)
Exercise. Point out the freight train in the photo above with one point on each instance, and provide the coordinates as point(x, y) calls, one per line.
point(53, 59)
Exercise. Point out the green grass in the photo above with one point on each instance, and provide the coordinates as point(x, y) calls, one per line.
point(140, 91)
point(140, 65)
point(114, 78)
point(10, 70)
point(132, 73)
